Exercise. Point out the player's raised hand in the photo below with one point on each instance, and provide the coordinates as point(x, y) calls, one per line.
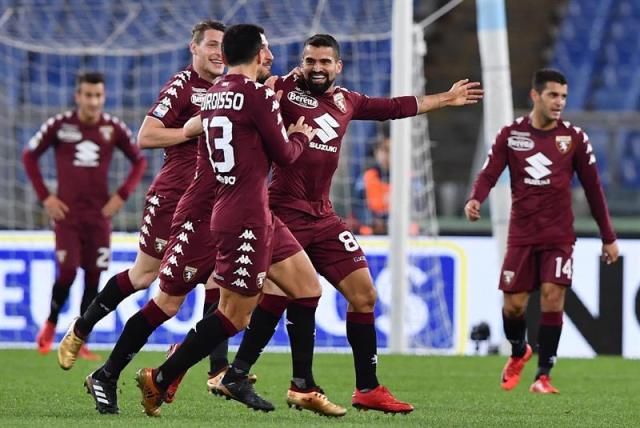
point(56, 209)
point(463, 92)
point(472, 210)
point(610, 252)
point(300, 126)
point(113, 205)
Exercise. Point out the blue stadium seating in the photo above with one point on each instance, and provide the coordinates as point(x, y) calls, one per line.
point(599, 49)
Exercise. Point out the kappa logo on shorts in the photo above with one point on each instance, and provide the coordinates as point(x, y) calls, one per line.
point(173, 260)
point(183, 237)
point(507, 276)
point(260, 279)
point(144, 229)
point(167, 271)
point(189, 273)
point(142, 241)
point(61, 255)
point(246, 247)
point(242, 271)
point(239, 283)
point(152, 210)
point(178, 249)
point(188, 225)
point(248, 234)
point(154, 200)
point(147, 219)
point(160, 245)
point(244, 259)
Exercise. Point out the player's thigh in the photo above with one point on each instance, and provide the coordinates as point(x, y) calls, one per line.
point(335, 252)
point(68, 245)
point(96, 244)
point(556, 274)
point(272, 288)
point(358, 289)
point(296, 277)
point(519, 273)
point(155, 226)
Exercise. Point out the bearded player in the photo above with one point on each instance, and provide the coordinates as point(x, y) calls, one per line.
point(542, 153)
point(299, 195)
point(81, 209)
point(178, 101)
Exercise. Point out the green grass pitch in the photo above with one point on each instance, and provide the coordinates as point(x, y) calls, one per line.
point(446, 391)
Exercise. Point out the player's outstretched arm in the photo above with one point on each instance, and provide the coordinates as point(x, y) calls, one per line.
point(472, 210)
point(461, 93)
point(193, 127)
point(154, 135)
point(610, 252)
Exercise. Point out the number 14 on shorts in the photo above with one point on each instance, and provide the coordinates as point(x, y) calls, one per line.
point(564, 267)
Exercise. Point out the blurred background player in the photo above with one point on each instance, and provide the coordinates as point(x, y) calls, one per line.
point(542, 152)
point(81, 208)
point(179, 100)
point(245, 232)
point(376, 188)
point(299, 195)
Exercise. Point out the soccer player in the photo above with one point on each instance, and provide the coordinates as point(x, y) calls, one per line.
point(244, 132)
point(81, 209)
point(299, 195)
point(178, 101)
point(189, 259)
point(542, 152)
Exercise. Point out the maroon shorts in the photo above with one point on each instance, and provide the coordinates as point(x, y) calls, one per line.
point(244, 255)
point(332, 248)
point(189, 258)
point(526, 267)
point(155, 228)
point(83, 242)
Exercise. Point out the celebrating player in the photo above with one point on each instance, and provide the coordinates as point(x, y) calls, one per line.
point(244, 131)
point(299, 195)
point(82, 208)
point(542, 152)
point(178, 101)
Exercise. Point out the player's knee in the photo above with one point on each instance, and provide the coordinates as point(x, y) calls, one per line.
point(514, 310)
point(170, 308)
point(364, 300)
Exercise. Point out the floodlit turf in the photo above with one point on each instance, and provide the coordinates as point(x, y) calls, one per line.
point(446, 392)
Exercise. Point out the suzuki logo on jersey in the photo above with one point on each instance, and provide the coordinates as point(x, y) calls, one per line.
point(538, 170)
point(87, 154)
point(302, 100)
point(328, 124)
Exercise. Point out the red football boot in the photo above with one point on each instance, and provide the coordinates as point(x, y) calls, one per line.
point(512, 370)
point(45, 336)
point(380, 399)
point(543, 386)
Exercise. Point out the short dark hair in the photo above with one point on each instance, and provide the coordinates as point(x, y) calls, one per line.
point(198, 30)
point(544, 75)
point(92, 77)
point(320, 40)
point(241, 43)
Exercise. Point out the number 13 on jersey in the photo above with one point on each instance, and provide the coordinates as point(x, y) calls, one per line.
point(222, 143)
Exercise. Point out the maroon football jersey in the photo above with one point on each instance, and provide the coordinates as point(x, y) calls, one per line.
point(304, 186)
point(541, 166)
point(179, 101)
point(244, 133)
point(83, 153)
